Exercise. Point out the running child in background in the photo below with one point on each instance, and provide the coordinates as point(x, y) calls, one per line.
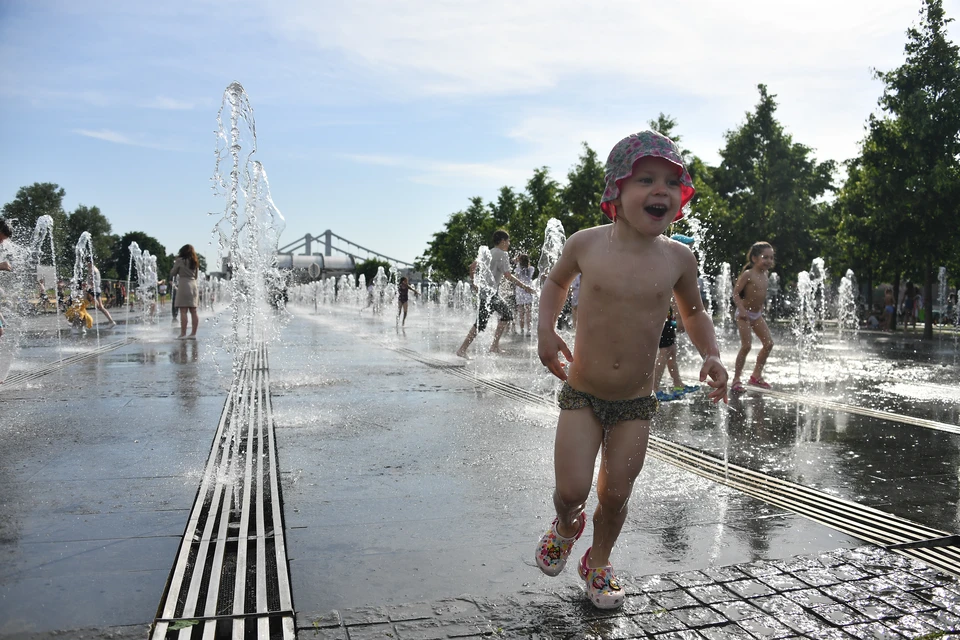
point(749, 296)
point(667, 359)
point(667, 356)
point(524, 273)
point(403, 295)
point(607, 401)
point(93, 291)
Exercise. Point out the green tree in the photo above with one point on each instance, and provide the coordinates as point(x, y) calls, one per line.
point(539, 202)
point(871, 231)
point(90, 219)
point(505, 208)
point(712, 212)
point(119, 260)
point(368, 269)
point(580, 197)
point(922, 98)
point(40, 199)
point(452, 250)
point(773, 189)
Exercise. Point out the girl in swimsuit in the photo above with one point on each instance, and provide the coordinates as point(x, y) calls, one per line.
point(749, 296)
point(403, 290)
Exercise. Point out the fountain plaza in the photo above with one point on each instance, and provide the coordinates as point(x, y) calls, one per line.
point(415, 486)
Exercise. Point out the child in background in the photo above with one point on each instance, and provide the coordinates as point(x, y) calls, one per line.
point(403, 294)
point(76, 312)
point(628, 270)
point(667, 359)
point(749, 296)
point(524, 273)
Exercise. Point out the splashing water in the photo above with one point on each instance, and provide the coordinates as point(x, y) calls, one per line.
point(696, 232)
point(41, 233)
point(818, 282)
point(942, 294)
point(847, 320)
point(379, 289)
point(724, 295)
point(250, 226)
point(553, 241)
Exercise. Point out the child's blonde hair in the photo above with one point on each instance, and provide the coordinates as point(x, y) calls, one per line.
point(755, 250)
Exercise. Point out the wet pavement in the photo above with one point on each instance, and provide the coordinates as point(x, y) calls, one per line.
point(414, 496)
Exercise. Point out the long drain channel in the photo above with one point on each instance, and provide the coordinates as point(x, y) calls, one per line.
point(231, 578)
point(24, 377)
point(937, 548)
point(863, 411)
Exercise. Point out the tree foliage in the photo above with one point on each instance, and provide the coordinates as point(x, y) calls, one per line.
point(580, 197)
point(921, 100)
point(897, 209)
point(119, 260)
point(32, 202)
point(91, 220)
point(773, 190)
point(368, 268)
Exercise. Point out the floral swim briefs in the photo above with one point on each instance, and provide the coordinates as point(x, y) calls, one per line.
point(609, 412)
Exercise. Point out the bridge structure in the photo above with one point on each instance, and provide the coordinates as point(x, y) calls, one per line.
point(338, 254)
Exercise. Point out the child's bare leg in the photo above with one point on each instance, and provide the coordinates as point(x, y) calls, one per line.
point(662, 356)
point(672, 365)
point(98, 303)
point(763, 332)
point(621, 460)
point(501, 327)
point(746, 341)
point(194, 321)
point(471, 335)
point(575, 448)
point(183, 322)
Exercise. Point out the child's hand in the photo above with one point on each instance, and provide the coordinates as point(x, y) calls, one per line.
point(713, 368)
point(549, 344)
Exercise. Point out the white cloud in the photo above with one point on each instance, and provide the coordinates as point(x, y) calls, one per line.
point(169, 104)
point(614, 64)
point(106, 135)
point(116, 137)
point(479, 47)
point(440, 173)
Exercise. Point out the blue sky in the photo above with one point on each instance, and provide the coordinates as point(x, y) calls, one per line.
point(378, 119)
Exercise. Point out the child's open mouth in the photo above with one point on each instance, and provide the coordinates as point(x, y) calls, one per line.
point(656, 210)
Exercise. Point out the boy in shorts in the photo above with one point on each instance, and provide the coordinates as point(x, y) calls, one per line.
point(629, 269)
point(490, 300)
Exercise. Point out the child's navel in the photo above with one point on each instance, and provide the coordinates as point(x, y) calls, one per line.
point(616, 365)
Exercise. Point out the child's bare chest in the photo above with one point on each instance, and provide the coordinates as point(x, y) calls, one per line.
point(611, 280)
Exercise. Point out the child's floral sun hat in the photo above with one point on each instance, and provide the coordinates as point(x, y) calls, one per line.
point(626, 152)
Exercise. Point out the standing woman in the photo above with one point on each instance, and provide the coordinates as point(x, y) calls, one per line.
point(187, 266)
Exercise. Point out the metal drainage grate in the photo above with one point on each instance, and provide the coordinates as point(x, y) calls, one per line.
point(864, 411)
point(24, 377)
point(231, 579)
point(937, 548)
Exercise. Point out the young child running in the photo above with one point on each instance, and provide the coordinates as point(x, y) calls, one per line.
point(628, 270)
point(749, 295)
point(667, 359)
point(403, 294)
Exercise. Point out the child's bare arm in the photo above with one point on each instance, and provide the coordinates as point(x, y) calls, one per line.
point(738, 288)
point(515, 280)
point(552, 296)
point(700, 327)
